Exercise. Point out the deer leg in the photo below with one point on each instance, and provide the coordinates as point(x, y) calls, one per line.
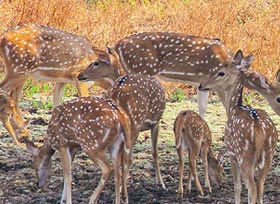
point(116, 158)
point(202, 97)
point(262, 176)
point(65, 157)
point(11, 131)
point(204, 151)
point(248, 177)
point(106, 168)
point(192, 163)
point(180, 153)
point(237, 180)
point(58, 93)
point(125, 172)
point(154, 132)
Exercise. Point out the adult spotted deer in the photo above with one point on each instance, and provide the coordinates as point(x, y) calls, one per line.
point(143, 99)
point(45, 54)
point(193, 135)
point(250, 134)
point(172, 56)
point(95, 125)
point(10, 118)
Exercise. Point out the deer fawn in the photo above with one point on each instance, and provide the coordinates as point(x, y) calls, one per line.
point(46, 54)
point(250, 134)
point(193, 134)
point(143, 99)
point(9, 117)
point(172, 56)
point(95, 125)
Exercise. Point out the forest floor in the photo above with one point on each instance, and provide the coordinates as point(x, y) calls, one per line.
point(17, 178)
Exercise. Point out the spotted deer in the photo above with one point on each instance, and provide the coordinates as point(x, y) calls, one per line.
point(270, 90)
point(94, 125)
point(250, 134)
point(193, 135)
point(143, 99)
point(46, 54)
point(10, 119)
point(172, 56)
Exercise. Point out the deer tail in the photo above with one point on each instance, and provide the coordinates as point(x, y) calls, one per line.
point(178, 128)
point(126, 128)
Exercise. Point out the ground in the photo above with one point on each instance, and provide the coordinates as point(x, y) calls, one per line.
point(17, 178)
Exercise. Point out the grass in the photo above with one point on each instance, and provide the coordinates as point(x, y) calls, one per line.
point(252, 26)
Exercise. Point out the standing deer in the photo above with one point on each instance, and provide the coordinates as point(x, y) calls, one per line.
point(143, 99)
point(95, 125)
point(172, 56)
point(193, 134)
point(10, 118)
point(46, 54)
point(250, 134)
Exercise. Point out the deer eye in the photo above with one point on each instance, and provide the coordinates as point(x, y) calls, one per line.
point(221, 74)
point(278, 99)
point(95, 64)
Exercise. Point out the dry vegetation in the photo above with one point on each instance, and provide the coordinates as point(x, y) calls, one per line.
point(253, 26)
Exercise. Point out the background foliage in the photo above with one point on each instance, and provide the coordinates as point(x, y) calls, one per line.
point(253, 26)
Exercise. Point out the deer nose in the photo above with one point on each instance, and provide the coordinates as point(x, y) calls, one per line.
point(200, 88)
point(81, 77)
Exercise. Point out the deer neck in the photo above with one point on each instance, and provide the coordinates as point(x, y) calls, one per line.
point(119, 67)
point(232, 98)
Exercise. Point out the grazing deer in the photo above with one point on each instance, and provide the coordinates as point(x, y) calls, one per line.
point(9, 117)
point(143, 99)
point(172, 56)
point(95, 125)
point(250, 134)
point(46, 54)
point(193, 134)
point(270, 90)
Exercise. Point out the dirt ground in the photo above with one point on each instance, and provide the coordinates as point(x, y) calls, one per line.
point(17, 178)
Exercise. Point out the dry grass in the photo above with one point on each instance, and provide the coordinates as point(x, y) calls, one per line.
point(252, 26)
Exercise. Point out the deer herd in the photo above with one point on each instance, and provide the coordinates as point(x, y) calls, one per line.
point(135, 102)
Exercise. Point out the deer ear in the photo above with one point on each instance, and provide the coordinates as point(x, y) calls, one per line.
point(111, 50)
point(238, 57)
point(31, 147)
point(242, 63)
point(102, 56)
point(263, 81)
point(246, 62)
point(278, 76)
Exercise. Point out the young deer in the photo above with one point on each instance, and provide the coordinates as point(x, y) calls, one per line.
point(193, 134)
point(250, 134)
point(172, 56)
point(143, 99)
point(95, 125)
point(10, 118)
point(46, 54)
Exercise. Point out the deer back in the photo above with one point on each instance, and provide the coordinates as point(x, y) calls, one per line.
point(29, 48)
point(141, 97)
point(152, 53)
point(191, 130)
point(250, 133)
point(93, 123)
